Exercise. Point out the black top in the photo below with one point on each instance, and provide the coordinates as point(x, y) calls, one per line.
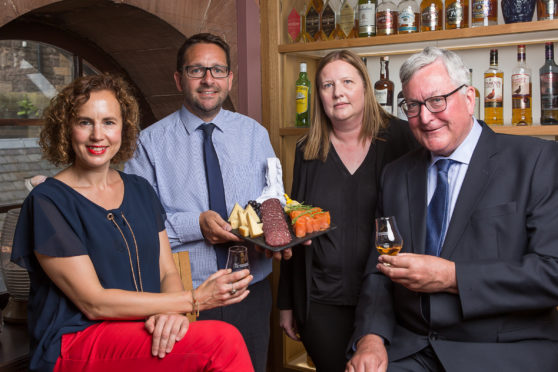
point(338, 257)
point(329, 271)
point(57, 221)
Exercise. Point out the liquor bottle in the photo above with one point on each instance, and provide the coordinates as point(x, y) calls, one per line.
point(457, 14)
point(366, 18)
point(400, 113)
point(302, 98)
point(431, 15)
point(547, 9)
point(477, 95)
point(348, 20)
point(337, 33)
point(386, 18)
point(312, 20)
point(493, 91)
point(549, 87)
point(327, 22)
point(484, 13)
point(383, 88)
point(294, 25)
point(408, 17)
point(521, 90)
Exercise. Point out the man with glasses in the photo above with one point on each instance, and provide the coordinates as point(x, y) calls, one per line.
point(475, 287)
point(173, 155)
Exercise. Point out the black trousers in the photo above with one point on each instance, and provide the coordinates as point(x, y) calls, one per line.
point(326, 333)
point(423, 361)
point(252, 318)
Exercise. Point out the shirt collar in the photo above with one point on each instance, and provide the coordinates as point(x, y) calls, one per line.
point(191, 122)
point(464, 151)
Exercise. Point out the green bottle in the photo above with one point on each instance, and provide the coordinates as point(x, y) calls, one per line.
point(366, 18)
point(302, 98)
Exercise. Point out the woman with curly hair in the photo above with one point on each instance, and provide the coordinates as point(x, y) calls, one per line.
point(105, 292)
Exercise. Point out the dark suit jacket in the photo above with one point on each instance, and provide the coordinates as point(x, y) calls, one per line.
point(503, 238)
point(295, 278)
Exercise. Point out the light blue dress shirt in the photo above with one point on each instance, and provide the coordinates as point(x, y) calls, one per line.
point(456, 174)
point(170, 157)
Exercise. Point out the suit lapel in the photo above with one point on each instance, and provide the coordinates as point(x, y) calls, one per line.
point(476, 179)
point(416, 192)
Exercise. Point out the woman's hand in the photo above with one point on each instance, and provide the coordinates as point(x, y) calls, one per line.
point(166, 329)
point(287, 322)
point(223, 288)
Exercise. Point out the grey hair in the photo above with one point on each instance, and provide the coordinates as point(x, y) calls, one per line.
point(457, 71)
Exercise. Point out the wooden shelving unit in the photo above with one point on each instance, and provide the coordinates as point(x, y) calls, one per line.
point(280, 68)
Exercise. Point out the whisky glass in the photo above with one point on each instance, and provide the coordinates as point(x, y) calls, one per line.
point(388, 239)
point(238, 258)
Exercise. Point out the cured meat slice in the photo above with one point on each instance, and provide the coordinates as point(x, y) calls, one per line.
point(276, 230)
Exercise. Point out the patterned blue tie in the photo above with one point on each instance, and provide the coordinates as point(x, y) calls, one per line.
point(437, 217)
point(215, 186)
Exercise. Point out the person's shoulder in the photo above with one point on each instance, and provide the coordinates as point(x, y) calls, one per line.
point(243, 121)
point(156, 129)
point(134, 180)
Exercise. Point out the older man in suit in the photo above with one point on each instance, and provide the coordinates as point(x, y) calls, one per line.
point(476, 288)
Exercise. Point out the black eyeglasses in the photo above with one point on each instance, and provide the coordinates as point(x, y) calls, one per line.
point(433, 104)
point(198, 72)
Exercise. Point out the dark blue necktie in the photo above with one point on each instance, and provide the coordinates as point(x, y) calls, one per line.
point(215, 188)
point(436, 219)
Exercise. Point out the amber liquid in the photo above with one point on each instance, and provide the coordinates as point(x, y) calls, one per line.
point(431, 15)
point(547, 9)
point(389, 249)
point(457, 14)
point(493, 96)
point(484, 13)
point(383, 88)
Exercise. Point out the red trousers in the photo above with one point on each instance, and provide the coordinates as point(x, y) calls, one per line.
point(122, 346)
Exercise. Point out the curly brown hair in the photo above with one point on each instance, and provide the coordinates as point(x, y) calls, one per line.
point(59, 116)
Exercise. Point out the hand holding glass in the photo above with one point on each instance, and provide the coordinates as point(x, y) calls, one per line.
point(238, 258)
point(388, 239)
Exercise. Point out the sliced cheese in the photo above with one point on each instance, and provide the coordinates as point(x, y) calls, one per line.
point(256, 228)
point(233, 218)
point(244, 230)
point(251, 212)
point(242, 220)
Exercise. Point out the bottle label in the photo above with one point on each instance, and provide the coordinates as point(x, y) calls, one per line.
point(385, 22)
point(312, 22)
point(429, 17)
point(407, 20)
point(347, 19)
point(301, 99)
point(293, 24)
point(493, 97)
point(483, 9)
point(367, 18)
point(549, 91)
point(328, 20)
point(521, 102)
point(521, 84)
point(548, 10)
point(381, 96)
point(454, 14)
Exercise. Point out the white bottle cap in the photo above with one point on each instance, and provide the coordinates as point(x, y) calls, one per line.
point(303, 67)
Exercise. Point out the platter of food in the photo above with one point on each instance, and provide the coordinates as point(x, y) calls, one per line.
point(273, 227)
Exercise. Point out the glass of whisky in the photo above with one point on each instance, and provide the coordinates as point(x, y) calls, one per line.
point(388, 239)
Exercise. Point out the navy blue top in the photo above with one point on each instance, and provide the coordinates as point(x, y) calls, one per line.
point(57, 221)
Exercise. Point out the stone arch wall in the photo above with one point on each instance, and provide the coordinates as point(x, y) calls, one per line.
point(142, 36)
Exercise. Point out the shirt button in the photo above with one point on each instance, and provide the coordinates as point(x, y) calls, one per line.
point(433, 335)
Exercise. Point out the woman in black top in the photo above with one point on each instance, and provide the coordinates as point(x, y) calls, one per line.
point(337, 167)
